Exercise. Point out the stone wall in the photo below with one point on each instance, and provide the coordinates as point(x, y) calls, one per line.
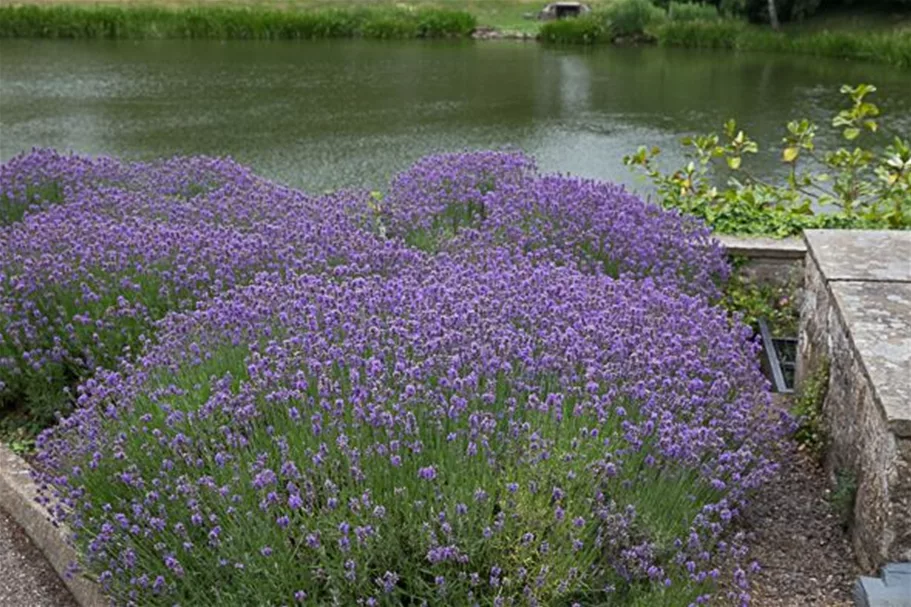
point(769, 260)
point(856, 317)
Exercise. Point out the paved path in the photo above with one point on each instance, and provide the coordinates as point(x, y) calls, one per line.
point(26, 578)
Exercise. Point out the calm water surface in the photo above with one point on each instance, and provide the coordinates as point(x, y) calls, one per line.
point(323, 115)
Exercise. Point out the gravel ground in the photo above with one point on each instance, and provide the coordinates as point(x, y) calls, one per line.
point(805, 555)
point(26, 578)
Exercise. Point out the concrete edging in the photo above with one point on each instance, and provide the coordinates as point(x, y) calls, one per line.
point(17, 497)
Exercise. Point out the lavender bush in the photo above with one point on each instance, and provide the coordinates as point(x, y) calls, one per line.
point(32, 181)
point(511, 434)
point(81, 283)
point(282, 400)
point(499, 198)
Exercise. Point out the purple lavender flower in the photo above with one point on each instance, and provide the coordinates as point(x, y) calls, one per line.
point(431, 415)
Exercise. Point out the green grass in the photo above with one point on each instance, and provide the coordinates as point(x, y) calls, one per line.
point(854, 34)
point(619, 19)
point(883, 46)
point(217, 22)
point(589, 29)
point(695, 11)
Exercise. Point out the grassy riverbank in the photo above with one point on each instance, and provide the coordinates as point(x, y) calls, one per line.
point(231, 22)
point(866, 38)
point(855, 35)
point(892, 47)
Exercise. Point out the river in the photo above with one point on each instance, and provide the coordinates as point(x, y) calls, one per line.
point(328, 114)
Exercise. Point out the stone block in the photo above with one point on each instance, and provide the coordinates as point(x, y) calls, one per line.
point(878, 317)
point(861, 255)
point(856, 317)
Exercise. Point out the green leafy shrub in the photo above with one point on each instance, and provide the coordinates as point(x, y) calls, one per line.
point(775, 302)
point(841, 188)
point(688, 12)
point(587, 29)
point(632, 17)
point(719, 33)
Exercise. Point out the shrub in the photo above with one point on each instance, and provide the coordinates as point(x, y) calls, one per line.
point(844, 187)
point(587, 29)
point(892, 47)
point(279, 407)
point(777, 303)
point(456, 201)
point(632, 17)
point(436, 23)
point(720, 33)
point(697, 11)
point(83, 282)
point(457, 432)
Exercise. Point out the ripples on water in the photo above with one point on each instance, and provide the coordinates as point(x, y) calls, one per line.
point(323, 115)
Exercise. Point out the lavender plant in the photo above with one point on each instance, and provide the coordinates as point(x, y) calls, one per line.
point(283, 400)
point(83, 282)
point(514, 433)
point(454, 201)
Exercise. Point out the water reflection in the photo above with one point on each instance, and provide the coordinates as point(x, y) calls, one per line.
point(327, 114)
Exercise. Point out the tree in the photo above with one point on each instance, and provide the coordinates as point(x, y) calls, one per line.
point(773, 14)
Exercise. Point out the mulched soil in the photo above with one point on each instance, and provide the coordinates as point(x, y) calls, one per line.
point(806, 556)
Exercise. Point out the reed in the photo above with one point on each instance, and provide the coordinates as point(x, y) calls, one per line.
point(222, 23)
point(892, 47)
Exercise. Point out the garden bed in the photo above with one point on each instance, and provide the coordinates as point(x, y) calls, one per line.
point(486, 385)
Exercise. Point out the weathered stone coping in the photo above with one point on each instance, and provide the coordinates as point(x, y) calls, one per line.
point(878, 318)
point(856, 319)
point(17, 497)
point(773, 261)
point(861, 255)
point(869, 276)
point(763, 247)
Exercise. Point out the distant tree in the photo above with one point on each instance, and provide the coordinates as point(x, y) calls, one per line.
point(773, 14)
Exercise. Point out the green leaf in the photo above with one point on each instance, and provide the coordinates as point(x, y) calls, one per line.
point(790, 154)
point(734, 162)
point(852, 133)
